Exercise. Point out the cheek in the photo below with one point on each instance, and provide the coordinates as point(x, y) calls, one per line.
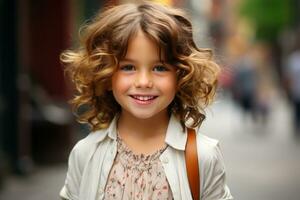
point(119, 83)
point(169, 85)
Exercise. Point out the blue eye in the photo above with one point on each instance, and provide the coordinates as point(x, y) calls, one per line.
point(127, 68)
point(160, 68)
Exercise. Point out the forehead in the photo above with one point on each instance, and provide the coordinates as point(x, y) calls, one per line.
point(142, 47)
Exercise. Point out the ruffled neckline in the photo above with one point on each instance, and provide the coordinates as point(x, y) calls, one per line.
point(138, 161)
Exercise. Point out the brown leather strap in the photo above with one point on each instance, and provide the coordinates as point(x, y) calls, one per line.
point(192, 167)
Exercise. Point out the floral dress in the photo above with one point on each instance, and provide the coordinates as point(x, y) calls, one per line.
point(137, 177)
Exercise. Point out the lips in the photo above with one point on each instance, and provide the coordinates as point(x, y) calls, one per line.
point(144, 98)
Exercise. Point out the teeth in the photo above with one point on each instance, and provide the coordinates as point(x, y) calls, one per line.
point(143, 98)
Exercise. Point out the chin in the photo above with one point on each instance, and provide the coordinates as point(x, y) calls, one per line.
point(148, 115)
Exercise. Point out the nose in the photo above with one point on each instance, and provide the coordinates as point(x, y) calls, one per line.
point(143, 80)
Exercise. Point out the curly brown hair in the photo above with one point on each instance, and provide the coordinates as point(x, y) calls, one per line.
point(104, 42)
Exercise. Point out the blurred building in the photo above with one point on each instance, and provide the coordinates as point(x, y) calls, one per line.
point(36, 125)
point(32, 85)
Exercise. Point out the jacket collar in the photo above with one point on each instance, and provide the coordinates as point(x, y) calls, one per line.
point(176, 137)
point(111, 131)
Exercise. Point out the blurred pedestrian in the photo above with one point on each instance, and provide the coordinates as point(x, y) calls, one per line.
point(265, 82)
point(244, 85)
point(292, 76)
point(144, 80)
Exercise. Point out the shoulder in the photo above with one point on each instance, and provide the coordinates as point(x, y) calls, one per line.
point(90, 140)
point(209, 151)
point(206, 143)
point(86, 146)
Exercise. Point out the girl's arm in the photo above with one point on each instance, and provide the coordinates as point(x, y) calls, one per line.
point(214, 186)
point(70, 189)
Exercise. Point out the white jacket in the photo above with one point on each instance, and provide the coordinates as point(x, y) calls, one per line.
point(91, 159)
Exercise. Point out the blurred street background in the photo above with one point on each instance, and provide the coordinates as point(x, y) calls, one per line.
point(256, 116)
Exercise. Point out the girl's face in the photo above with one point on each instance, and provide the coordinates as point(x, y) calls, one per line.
point(143, 85)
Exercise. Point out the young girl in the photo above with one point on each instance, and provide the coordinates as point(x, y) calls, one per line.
point(140, 81)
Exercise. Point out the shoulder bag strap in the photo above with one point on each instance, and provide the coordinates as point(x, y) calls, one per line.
point(192, 167)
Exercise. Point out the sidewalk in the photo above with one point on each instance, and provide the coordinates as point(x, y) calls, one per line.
point(43, 184)
point(262, 159)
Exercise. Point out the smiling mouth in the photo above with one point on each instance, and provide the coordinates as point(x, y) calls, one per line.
point(143, 98)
